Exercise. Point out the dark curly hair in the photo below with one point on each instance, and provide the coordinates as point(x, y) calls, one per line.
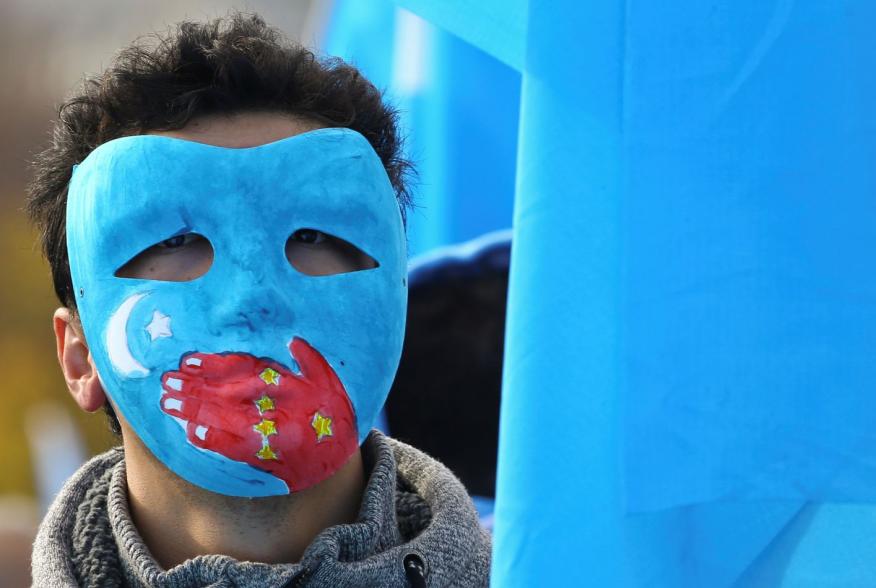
point(225, 66)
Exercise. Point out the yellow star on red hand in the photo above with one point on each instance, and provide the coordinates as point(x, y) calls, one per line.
point(266, 452)
point(322, 425)
point(264, 404)
point(270, 376)
point(266, 428)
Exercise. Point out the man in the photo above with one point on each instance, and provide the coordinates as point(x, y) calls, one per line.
point(230, 255)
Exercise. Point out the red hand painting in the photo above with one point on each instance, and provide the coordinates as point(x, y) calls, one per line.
point(301, 428)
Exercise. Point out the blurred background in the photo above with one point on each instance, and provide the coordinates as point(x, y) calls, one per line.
point(460, 110)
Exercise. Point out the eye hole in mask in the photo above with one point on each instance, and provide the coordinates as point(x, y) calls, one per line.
point(185, 257)
point(180, 258)
point(315, 253)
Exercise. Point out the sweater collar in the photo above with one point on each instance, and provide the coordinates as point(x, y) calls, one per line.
point(411, 505)
point(375, 530)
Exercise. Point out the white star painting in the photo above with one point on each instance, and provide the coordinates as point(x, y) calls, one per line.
point(160, 326)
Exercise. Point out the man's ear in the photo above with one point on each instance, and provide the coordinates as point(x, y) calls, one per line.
point(76, 363)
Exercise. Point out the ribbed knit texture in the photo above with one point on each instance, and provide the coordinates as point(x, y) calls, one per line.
point(95, 557)
point(411, 504)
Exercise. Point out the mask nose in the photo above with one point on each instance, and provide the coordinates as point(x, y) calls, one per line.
point(250, 301)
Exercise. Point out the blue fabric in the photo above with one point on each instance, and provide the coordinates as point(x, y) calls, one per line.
point(361, 32)
point(557, 495)
point(497, 27)
point(459, 109)
point(747, 214)
point(134, 192)
point(692, 303)
point(823, 546)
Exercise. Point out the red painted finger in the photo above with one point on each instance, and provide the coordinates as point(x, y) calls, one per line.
point(193, 363)
point(181, 386)
point(173, 382)
point(211, 412)
point(219, 365)
point(179, 406)
point(198, 364)
point(314, 368)
point(232, 390)
point(211, 438)
point(201, 411)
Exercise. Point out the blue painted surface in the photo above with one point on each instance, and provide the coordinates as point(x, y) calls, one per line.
point(135, 192)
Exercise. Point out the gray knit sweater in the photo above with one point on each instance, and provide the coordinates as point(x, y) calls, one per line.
point(411, 505)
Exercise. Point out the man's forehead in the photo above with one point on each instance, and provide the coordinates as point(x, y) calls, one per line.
point(242, 130)
point(263, 153)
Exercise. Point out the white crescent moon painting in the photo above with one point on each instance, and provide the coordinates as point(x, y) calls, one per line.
point(117, 340)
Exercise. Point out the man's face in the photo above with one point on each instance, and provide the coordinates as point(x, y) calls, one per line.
point(242, 283)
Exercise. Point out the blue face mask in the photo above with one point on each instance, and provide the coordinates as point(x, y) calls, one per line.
point(253, 379)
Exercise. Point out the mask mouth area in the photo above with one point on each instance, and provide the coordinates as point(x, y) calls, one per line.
point(181, 258)
point(316, 253)
point(300, 427)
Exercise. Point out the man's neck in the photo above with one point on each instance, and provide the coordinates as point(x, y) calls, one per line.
point(179, 521)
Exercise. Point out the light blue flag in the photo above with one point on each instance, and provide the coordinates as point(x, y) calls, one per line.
point(692, 308)
point(748, 239)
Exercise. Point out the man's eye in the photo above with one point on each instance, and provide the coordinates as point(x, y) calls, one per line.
point(309, 236)
point(178, 259)
point(314, 253)
point(178, 241)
